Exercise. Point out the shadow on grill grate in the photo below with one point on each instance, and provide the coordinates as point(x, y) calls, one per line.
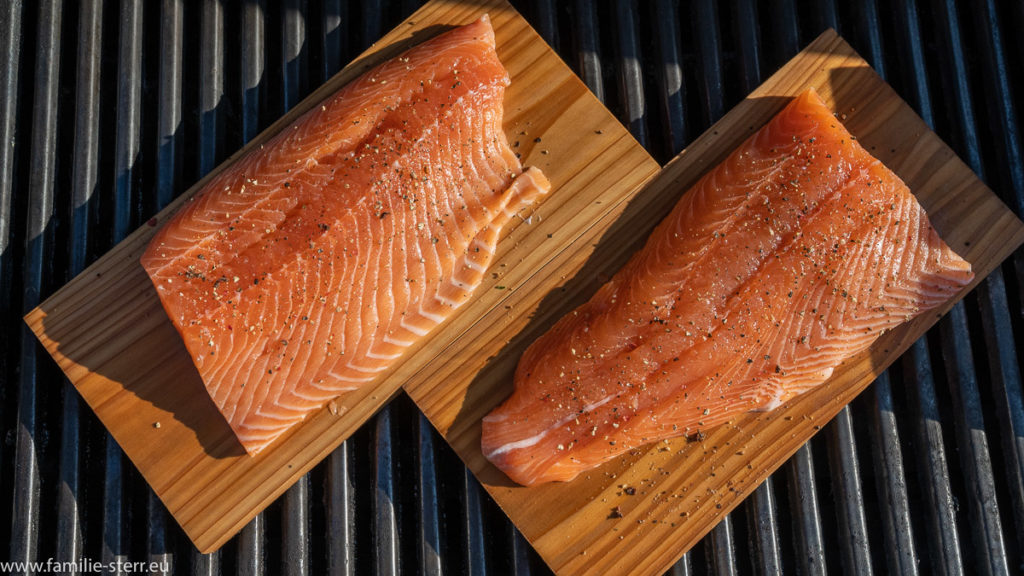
point(109, 109)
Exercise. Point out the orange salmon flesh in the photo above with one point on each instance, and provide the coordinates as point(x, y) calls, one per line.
point(791, 256)
point(307, 267)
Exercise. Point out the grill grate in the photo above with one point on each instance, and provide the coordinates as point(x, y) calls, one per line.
point(110, 108)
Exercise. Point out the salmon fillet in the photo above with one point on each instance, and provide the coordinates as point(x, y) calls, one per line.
point(311, 264)
point(794, 254)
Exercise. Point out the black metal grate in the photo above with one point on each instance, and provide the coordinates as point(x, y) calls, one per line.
point(109, 109)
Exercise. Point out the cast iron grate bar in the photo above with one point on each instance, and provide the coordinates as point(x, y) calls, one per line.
point(585, 29)
point(763, 519)
point(969, 418)
point(1000, 339)
point(84, 179)
point(36, 271)
point(430, 534)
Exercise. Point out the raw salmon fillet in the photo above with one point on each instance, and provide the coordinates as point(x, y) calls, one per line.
point(794, 254)
point(311, 264)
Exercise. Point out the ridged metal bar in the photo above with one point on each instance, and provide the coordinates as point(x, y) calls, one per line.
point(956, 81)
point(114, 548)
point(972, 439)
point(253, 66)
point(333, 17)
point(810, 546)
point(430, 530)
point(853, 531)
point(749, 45)
point(1006, 377)
point(36, 272)
point(10, 62)
point(69, 519)
point(867, 16)
point(587, 47)
point(295, 548)
point(900, 550)
point(405, 8)
point(385, 525)
point(972, 443)
point(631, 82)
point(205, 564)
point(682, 567)
point(129, 111)
point(709, 47)
point(371, 22)
point(85, 163)
point(169, 124)
point(825, 15)
point(520, 554)
point(160, 554)
point(1005, 119)
point(472, 517)
point(251, 554)
point(293, 52)
point(764, 521)
point(722, 550)
point(340, 513)
point(10, 70)
point(784, 30)
point(1004, 374)
point(671, 93)
point(945, 557)
point(912, 52)
point(545, 21)
point(211, 85)
point(84, 182)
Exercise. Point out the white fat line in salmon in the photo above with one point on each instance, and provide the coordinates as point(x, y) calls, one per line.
point(519, 444)
point(343, 378)
point(477, 243)
point(364, 369)
point(398, 342)
point(416, 329)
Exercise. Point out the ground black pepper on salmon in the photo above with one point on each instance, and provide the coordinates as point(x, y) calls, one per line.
point(346, 237)
point(794, 254)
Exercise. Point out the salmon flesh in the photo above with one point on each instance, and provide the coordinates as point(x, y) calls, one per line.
point(791, 256)
point(309, 266)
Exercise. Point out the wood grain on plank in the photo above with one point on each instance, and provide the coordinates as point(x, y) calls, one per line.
point(108, 332)
point(683, 488)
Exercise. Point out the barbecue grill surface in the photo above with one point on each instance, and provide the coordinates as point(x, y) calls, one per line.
point(109, 109)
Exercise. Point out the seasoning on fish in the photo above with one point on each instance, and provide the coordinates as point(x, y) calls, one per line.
point(793, 255)
point(307, 267)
